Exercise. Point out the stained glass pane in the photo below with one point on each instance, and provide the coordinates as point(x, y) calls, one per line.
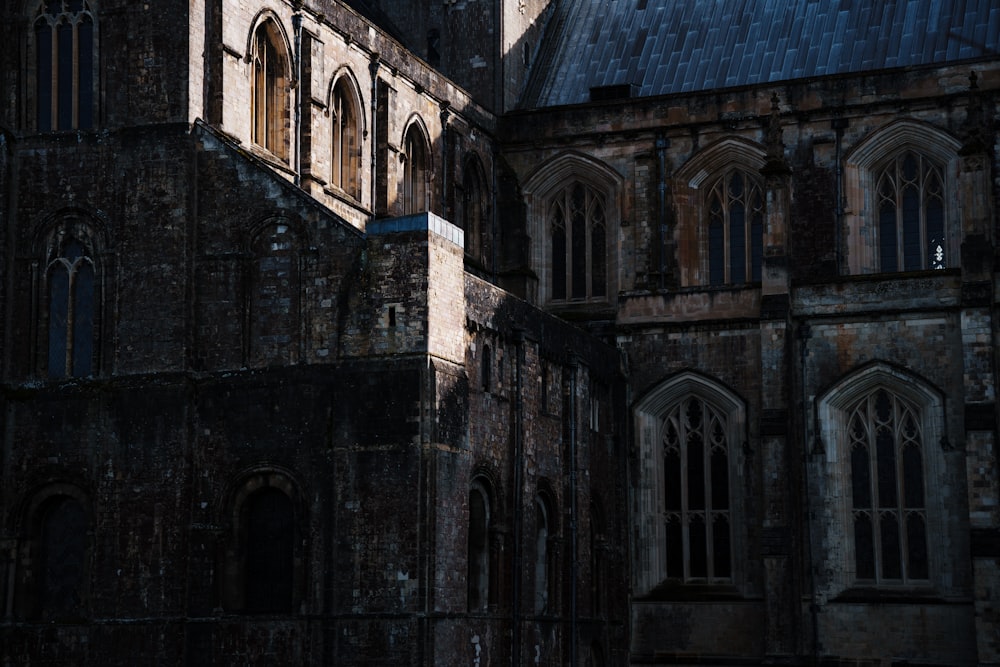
point(43, 74)
point(891, 556)
point(860, 478)
point(916, 542)
point(64, 95)
point(58, 319)
point(85, 68)
point(699, 557)
point(558, 262)
point(675, 548)
point(720, 480)
point(83, 319)
point(737, 243)
point(864, 547)
point(911, 229)
point(721, 547)
point(672, 480)
point(913, 477)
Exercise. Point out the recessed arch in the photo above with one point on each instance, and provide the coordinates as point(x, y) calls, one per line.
point(574, 205)
point(879, 225)
point(269, 56)
point(418, 163)
point(720, 205)
point(345, 108)
point(690, 431)
point(881, 468)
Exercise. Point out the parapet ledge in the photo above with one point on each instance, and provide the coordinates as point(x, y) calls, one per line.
point(418, 222)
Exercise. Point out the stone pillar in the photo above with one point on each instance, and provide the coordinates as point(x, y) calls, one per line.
point(979, 380)
point(777, 485)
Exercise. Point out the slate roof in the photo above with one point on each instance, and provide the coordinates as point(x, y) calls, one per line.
point(676, 46)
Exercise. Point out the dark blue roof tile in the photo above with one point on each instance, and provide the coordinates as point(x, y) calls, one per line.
point(665, 46)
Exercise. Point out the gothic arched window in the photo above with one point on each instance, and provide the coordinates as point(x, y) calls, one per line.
point(579, 253)
point(71, 311)
point(691, 434)
point(735, 209)
point(696, 491)
point(888, 506)
point(415, 174)
point(346, 158)
point(478, 244)
point(64, 61)
point(911, 214)
point(480, 566)
point(269, 90)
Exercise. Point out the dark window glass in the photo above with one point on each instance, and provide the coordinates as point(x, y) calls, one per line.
point(64, 93)
point(43, 74)
point(58, 319)
point(720, 546)
point(716, 244)
point(675, 548)
point(85, 67)
point(579, 239)
point(916, 542)
point(559, 260)
point(270, 545)
point(864, 547)
point(83, 319)
point(699, 555)
point(860, 478)
point(891, 556)
point(63, 543)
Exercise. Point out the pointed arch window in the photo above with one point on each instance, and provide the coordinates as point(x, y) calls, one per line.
point(911, 214)
point(579, 253)
point(346, 158)
point(71, 311)
point(480, 565)
point(697, 492)
point(478, 245)
point(888, 506)
point(735, 207)
point(269, 90)
point(64, 60)
point(415, 165)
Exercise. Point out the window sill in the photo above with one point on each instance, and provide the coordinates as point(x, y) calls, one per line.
point(892, 594)
point(674, 590)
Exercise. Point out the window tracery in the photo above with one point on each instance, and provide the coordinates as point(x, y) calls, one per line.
point(72, 303)
point(65, 43)
point(269, 95)
point(346, 157)
point(911, 214)
point(578, 232)
point(735, 207)
point(415, 171)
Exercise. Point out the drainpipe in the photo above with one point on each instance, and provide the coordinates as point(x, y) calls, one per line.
point(373, 71)
point(297, 120)
point(662, 143)
point(839, 125)
point(516, 579)
point(445, 113)
point(574, 564)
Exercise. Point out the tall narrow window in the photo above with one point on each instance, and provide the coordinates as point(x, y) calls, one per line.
point(911, 219)
point(478, 243)
point(62, 558)
point(274, 301)
point(346, 158)
point(888, 507)
point(579, 250)
point(64, 65)
point(415, 172)
point(696, 492)
point(71, 301)
point(735, 206)
point(479, 548)
point(269, 568)
point(269, 96)
point(543, 575)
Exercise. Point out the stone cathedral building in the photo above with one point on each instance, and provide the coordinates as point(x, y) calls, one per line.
point(499, 332)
